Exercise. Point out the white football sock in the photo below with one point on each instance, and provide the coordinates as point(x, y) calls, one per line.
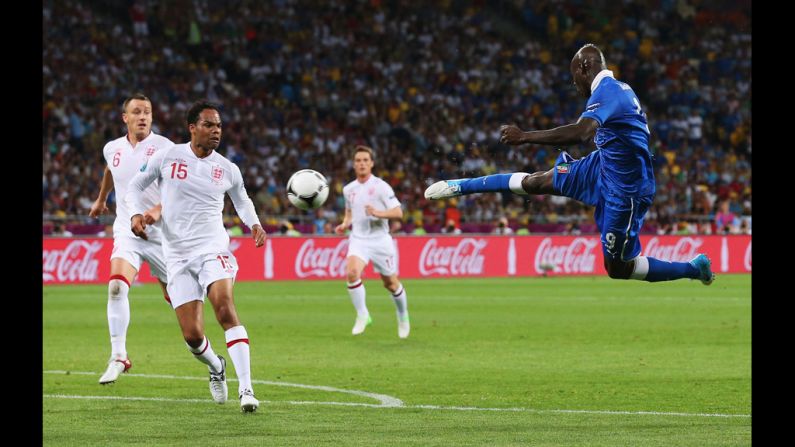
point(205, 354)
point(357, 293)
point(515, 183)
point(400, 301)
point(237, 346)
point(118, 315)
point(641, 268)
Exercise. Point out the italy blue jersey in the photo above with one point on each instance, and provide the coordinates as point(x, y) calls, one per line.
point(622, 139)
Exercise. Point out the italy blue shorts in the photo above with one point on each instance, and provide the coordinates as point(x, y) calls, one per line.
point(617, 217)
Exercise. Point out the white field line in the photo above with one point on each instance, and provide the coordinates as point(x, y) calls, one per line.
point(386, 401)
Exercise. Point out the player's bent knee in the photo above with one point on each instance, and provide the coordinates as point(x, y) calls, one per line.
point(353, 276)
point(115, 288)
point(226, 315)
point(618, 269)
point(392, 285)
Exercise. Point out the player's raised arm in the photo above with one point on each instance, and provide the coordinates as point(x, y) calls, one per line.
point(577, 133)
point(100, 205)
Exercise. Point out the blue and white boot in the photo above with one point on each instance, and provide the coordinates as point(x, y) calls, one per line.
point(704, 266)
point(444, 189)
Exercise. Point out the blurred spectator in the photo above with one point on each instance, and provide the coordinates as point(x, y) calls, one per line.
point(705, 228)
point(419, 231)
point(60, 231)
point(395, 227)
point(502, 227)
point(451, 213)
point(451, 227)
point(107, 231)
point(286, 229)
point(725, 219)
point(319, 223)
point(745, 226)
point(572, 228)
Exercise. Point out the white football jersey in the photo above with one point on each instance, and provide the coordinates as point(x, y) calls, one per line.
point(192, 191)
point(376, 193)
point(124, 161)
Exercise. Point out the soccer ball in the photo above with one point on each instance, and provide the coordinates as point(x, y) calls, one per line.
point(307, 189)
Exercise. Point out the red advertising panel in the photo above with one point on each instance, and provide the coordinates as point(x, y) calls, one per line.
point(303, 258)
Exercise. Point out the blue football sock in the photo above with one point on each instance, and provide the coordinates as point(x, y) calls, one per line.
point(668, 271)
point(488, 183)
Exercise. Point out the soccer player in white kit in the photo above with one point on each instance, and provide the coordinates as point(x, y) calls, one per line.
point(124, 157)
point(369, 204)
point(193, 180)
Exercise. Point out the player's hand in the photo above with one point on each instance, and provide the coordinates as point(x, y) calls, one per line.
point(259, 235)
point(370, 211)
point(510, 134)
point(97, 208)
point(152, 215)
point(138, 226)
point(340, 229)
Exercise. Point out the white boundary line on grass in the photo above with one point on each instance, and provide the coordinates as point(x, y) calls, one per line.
point(386, 401)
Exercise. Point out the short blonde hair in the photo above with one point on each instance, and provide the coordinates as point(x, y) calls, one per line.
point(362, 148)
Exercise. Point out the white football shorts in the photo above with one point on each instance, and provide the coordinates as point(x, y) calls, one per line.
point(188, 280)
point(380, 250)
point(136, 250)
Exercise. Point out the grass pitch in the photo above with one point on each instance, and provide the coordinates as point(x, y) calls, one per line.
point(521, 361)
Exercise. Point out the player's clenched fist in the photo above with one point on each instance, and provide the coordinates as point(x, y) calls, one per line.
point(138, 226)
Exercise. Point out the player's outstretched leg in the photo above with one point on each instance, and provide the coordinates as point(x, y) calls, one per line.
point(518, 183)
point(463, 186)
point(655, 270)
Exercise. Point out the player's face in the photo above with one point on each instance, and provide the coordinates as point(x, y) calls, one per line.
point(138, 117)
point(206, 133)
point(362, 164)
point(578, 75)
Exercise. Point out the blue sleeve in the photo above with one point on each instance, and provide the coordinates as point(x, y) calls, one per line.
point(602, 105)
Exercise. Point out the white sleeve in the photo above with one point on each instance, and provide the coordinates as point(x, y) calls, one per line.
point(388, 197)
point(145, 176)
point(345, 196)
point(243, 204)
point(106, 153)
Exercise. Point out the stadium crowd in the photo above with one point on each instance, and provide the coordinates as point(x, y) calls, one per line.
point(302, 82)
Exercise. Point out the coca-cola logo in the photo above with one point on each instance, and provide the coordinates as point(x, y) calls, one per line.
point(683, 250)
point(234, 244)
point(461, 259)
point(323, 262)
point(747, 259)
point(574, 257)
point(74, 263)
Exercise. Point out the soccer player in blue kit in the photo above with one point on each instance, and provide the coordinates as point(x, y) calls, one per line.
point(617, 178)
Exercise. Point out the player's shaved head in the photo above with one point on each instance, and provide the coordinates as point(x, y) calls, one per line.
point(585, 65)
point(593, 55)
